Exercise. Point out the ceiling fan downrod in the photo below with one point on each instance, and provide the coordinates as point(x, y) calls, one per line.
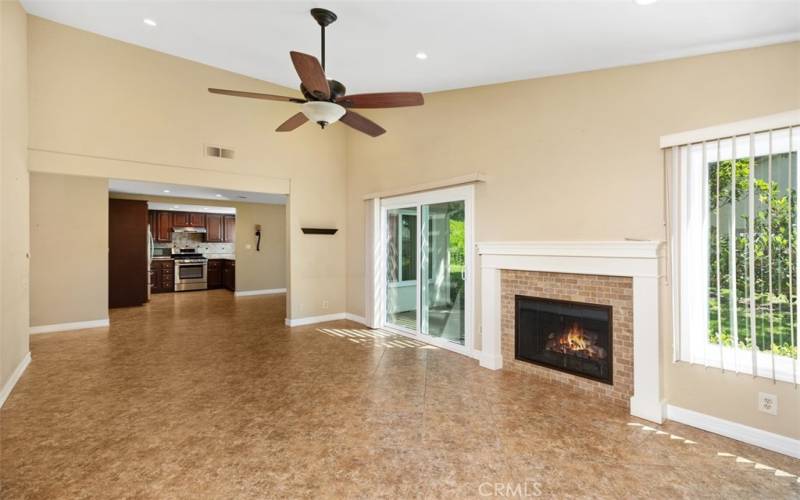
point(324, 17)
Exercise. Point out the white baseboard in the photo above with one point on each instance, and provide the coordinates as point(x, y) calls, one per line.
point(746, 434)
point(314, 319)
point(12, 380)
point(357, 319)
point(648, 408)
point(270, 291)
point(64, 327)
point(489, 361)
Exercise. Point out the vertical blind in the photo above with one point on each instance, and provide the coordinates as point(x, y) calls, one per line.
point(733, 223)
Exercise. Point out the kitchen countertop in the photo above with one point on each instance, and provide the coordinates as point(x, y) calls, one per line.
point(220, 256)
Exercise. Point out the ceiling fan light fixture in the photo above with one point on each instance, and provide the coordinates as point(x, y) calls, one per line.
point(323, 112)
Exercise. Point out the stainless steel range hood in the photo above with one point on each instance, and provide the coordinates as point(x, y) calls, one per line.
point(189, 230)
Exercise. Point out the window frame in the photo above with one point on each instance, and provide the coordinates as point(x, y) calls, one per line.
point(688, 210)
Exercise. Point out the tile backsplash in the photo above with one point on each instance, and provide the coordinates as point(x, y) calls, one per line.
point(195, 240)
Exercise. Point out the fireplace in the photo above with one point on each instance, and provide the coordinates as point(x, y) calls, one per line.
point(573, 337)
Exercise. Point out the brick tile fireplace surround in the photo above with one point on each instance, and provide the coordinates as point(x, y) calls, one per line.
point(621, 274)
point(614, 291)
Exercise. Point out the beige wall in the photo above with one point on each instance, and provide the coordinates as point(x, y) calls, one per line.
point(265, 269)
point(576, 157)
point(107, 109)
point(255, 270)
point(69, 249)
point(13, 189)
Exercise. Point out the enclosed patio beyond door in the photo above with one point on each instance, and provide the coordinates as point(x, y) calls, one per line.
point(428, 268)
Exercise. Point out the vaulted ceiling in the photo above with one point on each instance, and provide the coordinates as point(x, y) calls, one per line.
point(373, 46)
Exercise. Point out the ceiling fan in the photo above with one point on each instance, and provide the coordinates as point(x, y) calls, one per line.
point(325, 100)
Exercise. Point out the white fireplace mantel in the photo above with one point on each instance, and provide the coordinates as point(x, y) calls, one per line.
point(640, 260)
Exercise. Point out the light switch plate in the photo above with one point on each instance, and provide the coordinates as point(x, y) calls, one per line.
point(768, 403)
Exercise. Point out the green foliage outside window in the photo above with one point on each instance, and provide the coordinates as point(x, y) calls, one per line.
point(774, 250)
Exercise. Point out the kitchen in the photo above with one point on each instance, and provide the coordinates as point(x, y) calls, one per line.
point(157, 247)
point(191, 248)
point(92, 234)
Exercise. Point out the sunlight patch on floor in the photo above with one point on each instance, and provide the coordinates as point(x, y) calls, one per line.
point(721, 454)
point(379, 338)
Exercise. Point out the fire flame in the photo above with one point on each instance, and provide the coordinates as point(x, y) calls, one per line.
point(574, 338)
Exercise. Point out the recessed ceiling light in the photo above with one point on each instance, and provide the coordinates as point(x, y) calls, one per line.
point(175, 206)
point(205, 208)
point(149, 22)
point(645, 2)
point(166, 191)
point(422, 55)
point(218, 195)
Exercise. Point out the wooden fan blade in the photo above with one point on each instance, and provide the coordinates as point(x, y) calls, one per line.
point(362, 124)
point(311, 74)
point(256, 95)
point(382, 100)
point(292, 123)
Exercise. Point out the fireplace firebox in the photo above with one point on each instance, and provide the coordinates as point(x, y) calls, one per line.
point(573, 337)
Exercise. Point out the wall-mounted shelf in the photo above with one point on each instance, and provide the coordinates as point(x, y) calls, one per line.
point(316, 230)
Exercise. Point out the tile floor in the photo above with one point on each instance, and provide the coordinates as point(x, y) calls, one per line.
point(200, 395)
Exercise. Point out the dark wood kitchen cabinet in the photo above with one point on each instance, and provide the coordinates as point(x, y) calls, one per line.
point(229, 274)
point(197, 220)
point(162, 276)
point(181, 219)
point(219, 228)
point(163, 227)
point(160, 225)
point(215, 228)
point(151, 221)
point(229, 223)
point(214, 276)
point(127, 253)
point(188, 219)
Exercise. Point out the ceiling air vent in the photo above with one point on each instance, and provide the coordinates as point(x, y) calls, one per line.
point(219, 152)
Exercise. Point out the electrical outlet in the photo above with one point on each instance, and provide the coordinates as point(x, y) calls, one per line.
point(325, 304)
point(768, 403)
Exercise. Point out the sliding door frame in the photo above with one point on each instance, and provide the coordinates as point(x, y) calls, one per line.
point(466, 194)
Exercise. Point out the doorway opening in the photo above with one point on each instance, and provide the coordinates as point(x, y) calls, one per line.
point(426, 242)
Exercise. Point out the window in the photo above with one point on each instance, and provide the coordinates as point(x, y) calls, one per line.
point(734, 225)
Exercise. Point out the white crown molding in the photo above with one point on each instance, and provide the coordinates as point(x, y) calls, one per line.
point(14, 378)
point(65, 327)
point(740, 432)
point(268, 291)
point(759, 124)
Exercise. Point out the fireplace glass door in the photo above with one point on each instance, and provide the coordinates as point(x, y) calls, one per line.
point(427, 266)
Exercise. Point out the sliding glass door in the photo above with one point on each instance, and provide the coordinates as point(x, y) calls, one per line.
point(442, 271)
point(401, 268)
point(427, 265)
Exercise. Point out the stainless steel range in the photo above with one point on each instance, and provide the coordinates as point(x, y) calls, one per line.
point(191, 270)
